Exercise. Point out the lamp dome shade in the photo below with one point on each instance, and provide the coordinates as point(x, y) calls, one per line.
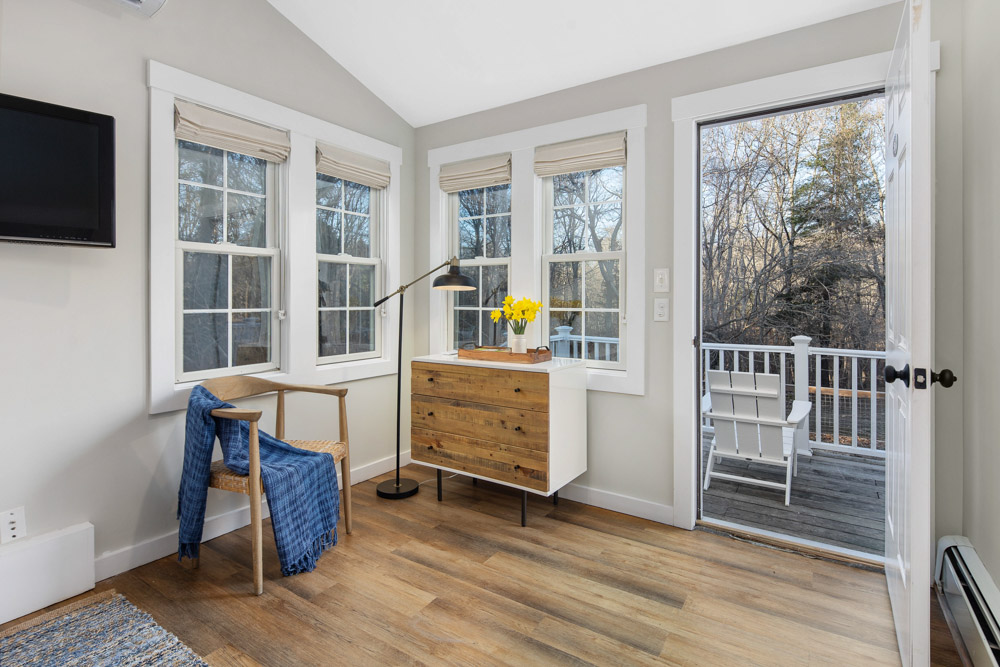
point(454, 281)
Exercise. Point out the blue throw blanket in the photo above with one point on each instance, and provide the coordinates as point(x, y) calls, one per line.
point(301, 486)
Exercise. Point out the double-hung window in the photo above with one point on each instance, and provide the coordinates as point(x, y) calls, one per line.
point(483, 240)
point(480, 231)
point(227, 245)
point(349, 199)
point(585, 254)
point(349, 269)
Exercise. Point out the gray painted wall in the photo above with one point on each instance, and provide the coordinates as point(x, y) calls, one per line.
point(77, 444)
point(981, 113)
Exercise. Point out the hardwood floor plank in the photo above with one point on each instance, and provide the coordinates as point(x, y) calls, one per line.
point(461, 582)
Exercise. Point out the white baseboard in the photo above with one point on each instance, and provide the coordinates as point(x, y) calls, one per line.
point(121, 560)
point(617, 502)
point(38, 571)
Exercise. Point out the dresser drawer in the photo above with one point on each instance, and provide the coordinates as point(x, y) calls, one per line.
point(510, 426)
point(514, 465)
point(516, 389)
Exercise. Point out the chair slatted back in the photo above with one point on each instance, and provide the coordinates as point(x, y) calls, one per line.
point(747, 398)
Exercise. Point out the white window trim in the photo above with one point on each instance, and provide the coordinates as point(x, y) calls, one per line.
point(298, 361)
point(528, 241)
point(803, 86)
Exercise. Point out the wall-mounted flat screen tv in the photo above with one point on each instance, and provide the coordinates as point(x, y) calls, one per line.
point(57, 174)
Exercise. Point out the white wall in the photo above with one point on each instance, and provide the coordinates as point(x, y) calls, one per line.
point(76, 441)
point(631, 451)
point(981, 84)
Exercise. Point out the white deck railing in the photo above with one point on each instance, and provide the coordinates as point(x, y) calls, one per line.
point(849, 405)
point(565, 344)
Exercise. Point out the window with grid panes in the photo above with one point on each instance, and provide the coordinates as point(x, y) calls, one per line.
point(482, 234)
point(227, 246)
point(583, 271)
point(349, 269)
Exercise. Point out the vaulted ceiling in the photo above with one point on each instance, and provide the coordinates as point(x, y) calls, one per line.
point(431, 60)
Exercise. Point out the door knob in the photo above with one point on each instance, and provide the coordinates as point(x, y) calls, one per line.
point(891, 374)
point(945, 377)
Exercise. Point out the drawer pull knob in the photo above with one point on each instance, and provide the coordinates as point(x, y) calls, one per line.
point(517, 428)
point(430, 379)
point(517, 390)
point(430, 414)
point(517, 467)
point(430, 446)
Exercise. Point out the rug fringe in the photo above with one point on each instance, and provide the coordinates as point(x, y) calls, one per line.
point(60, 611)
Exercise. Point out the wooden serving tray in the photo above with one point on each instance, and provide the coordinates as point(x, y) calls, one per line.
point(532, 356)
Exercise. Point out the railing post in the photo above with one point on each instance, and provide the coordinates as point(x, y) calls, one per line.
point(801, 352)
point(562, 341)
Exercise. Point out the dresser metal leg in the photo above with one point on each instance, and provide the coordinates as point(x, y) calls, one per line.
point(555, 498)
point(524, 508)
point(475, 481)
point(439, 484)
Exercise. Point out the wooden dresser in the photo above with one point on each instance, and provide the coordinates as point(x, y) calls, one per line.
point(522, 425)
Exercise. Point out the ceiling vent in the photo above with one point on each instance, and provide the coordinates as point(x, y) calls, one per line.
point(144, 7)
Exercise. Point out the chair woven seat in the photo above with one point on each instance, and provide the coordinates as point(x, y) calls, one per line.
point(225, 479)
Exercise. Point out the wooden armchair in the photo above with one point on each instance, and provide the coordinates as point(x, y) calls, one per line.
point(234, 388)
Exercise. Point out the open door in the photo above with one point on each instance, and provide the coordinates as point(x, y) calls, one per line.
point(909, 331)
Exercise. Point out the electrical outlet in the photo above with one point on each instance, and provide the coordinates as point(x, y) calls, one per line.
point(12, 525)
point(661, 280)
point(661, 310)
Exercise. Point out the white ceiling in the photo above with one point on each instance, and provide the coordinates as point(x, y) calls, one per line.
point(431, 60)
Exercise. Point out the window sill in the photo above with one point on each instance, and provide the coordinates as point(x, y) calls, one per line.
point(176, 398)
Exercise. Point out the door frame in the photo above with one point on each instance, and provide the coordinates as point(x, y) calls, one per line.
point(800, 87)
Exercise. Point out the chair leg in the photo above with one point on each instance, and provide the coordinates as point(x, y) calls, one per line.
point(708, 470)
point(256, 530)
point(345, 473)
point(788, 483)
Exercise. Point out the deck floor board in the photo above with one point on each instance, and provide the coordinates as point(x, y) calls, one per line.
point(837, 498)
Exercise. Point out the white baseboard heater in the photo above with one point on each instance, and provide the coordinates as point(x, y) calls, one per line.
point(38, 571)
point(970, 600)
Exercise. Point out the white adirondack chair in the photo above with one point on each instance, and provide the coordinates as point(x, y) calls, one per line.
point(748, 412)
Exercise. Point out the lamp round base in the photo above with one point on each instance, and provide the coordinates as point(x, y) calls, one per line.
point(406, 488)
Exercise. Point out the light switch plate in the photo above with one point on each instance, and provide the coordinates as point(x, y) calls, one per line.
point(661, 280)
point(661, 310)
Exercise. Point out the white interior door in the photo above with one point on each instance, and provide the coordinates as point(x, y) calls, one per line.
point(909, 329)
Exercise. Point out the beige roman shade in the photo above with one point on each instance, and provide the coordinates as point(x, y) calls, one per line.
point(354, 167)
point(220, 130)
point(606, 150)
point(479, 173)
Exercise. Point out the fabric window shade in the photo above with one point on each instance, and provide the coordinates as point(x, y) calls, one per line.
point(606, 150)
point(351, 166)
point(220, 130)
point(479, 173)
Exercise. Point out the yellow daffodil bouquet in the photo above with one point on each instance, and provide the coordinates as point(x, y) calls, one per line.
point(517, 313)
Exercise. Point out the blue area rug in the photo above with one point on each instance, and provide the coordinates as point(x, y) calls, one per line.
point(104, 629)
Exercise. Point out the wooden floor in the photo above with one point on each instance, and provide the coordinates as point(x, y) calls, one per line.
point(461, 582)
point(837, 499)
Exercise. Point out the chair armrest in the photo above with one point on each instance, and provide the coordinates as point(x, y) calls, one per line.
point(240, 414)
point(800, 410)
point(314, 389)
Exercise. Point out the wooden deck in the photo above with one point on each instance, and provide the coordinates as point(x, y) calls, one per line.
point(837, 499)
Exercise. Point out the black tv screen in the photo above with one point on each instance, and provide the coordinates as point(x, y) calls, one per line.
point(57, 174)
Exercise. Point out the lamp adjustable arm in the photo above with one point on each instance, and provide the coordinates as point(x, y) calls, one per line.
point(402, 288)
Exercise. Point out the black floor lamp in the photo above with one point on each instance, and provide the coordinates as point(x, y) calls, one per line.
point(454, 281)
